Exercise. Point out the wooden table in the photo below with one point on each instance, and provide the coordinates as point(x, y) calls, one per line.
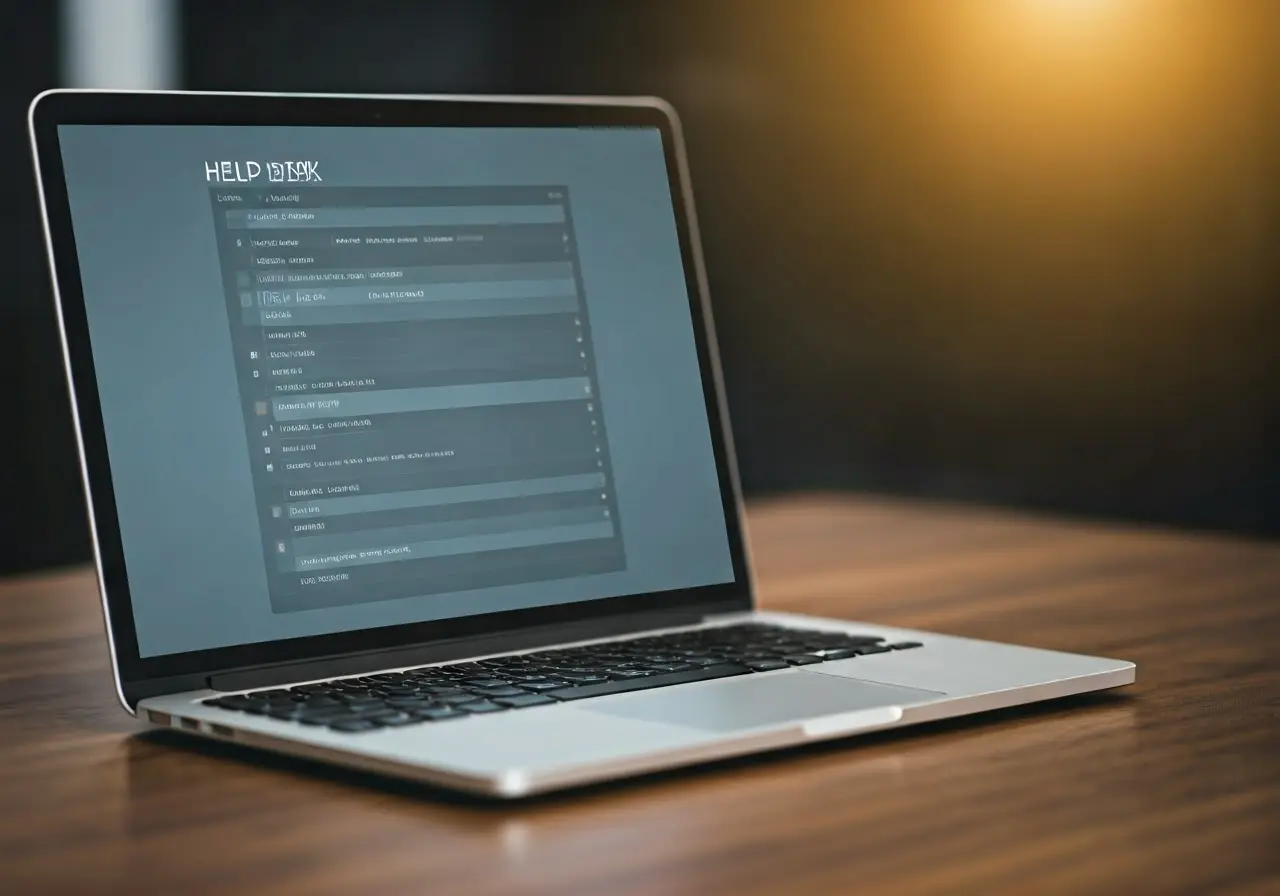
point(1172, 786)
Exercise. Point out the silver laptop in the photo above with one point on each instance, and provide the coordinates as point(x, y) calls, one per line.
point(405, 446)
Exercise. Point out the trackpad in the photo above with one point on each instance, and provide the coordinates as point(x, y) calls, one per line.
point(757, 701)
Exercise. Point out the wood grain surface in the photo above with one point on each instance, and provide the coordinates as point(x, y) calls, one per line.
point(1171, 786)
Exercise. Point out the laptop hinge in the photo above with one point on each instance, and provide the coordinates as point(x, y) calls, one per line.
point(443, 651)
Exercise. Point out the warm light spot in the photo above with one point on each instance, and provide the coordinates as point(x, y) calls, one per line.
point(1075, 7)
point(1081, 29)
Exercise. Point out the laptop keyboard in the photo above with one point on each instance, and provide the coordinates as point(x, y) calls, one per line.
point(498, 684)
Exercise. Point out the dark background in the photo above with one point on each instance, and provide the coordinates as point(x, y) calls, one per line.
point(1023, 252)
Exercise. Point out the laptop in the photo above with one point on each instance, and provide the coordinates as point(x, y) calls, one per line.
point(405, 446)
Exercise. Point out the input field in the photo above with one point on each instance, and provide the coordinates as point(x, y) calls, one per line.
point(366, 539)
point(430, 398)
point(391, 274)
point(393, 216)
point(396, 294)
point(390, 312)
point(452, 546)
point(453, 494)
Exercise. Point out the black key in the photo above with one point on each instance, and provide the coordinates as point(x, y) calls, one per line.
point(539, 685)
point(504, 691)
point(327, 718)
point(256, 709)
point(874, 648)
point(649, 681)
point(321, 688)
point(582, 677)
point(437, 715)
point(857, 640)
point(622, 674)
point(670, 667)
point(322, 701)
point(365, 705)
point(355, 725)
point(480, 706)
point(486, 682)
point(802, 659)
point(523, 701)
point(320, 720)
point(471, 668)
point(389, 718)
point(842, 653)
point(765, 665)
point(282, 713)
point(523, 677)
point(420, 700)
point(905, 645)
point(453, 699)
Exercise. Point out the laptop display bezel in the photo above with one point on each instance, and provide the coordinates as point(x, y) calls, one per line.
point(137, 675)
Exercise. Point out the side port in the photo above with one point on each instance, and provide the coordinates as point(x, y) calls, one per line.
point(222, 730)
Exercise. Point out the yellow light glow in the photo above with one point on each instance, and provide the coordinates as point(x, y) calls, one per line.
point(1065, 12)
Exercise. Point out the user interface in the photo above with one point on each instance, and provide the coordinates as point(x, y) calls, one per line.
point(357, 377)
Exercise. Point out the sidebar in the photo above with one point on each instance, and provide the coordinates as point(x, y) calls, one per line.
point(419, 390)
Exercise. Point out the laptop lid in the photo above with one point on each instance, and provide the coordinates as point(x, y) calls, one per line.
point(356, 374)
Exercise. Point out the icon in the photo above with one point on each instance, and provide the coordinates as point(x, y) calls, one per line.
point(590, 406)
point(265, 433)
point(599, 463)
point(266, 450)
point(275, 512)
point(271, 468)
point(260, 408)
point(597, 449)
point(606, 513)
point(281, 547)
point(246, 300)
point(253, 356)
point(582, 355)
point(604, 496)
point(242, 278)
point(577, 321)
point(255, 374)
point(587, 388)
point(579, 338)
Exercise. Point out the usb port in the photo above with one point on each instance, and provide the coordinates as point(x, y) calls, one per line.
point(222, 730)
point(190, 724)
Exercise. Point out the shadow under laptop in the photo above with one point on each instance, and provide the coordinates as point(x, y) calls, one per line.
point(881, 753)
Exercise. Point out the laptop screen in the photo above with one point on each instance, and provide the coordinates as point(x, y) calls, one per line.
point(360, 377)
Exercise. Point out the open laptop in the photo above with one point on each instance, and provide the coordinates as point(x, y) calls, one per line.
point(405, 447)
